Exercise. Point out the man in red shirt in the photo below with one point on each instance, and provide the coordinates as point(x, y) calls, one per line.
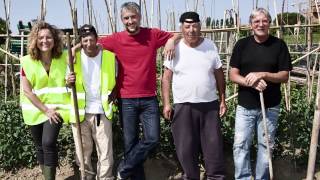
point(136, 50)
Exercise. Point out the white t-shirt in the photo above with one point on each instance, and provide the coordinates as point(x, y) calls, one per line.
point(193, 72)
point(91, 71)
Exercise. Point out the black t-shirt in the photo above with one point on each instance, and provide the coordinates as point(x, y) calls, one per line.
point(269, 56)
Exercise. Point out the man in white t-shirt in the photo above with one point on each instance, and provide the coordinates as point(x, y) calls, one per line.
point(94, 79)
point(196, 74)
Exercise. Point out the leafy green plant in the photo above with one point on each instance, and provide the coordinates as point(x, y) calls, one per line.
point(16, 147)
point(294, 130)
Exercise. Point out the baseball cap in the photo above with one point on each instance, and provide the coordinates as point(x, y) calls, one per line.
point(189, 17)
point(86, 30)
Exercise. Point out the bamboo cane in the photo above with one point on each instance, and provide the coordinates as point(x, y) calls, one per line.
point(313, 74)
point(264, 118)
point(115, 14)
point(196, 5)
point(159, 14)
point(314, 135)
point(277, 21)
point(222, 33)
point(7, 13)
point(76, 111)
point(152, 13)
point(89, 12)
point(145, 12)
point(112, 24)
point(309, 44)
point(43, 10)
point(74, 17)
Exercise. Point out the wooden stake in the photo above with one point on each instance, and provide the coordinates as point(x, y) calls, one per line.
point(309, 44)
point(159, 14)
point(145, 12)
point(313, 74)
point(152, 13)
point(314, 135)
point(74, 17)
point(43, 10)
point(266, 134)
point(112, 24)
point(76, 111)
point(7, 13)
point(277, 20)
point(115, 14)
point(89, 12)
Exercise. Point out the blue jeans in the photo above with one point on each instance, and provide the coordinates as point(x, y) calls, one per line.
point(247, 120)
point(132, 112)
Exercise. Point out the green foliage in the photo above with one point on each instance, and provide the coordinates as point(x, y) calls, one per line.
point(3, 30)
point(290, 18)
point(295, 127)
point(208, 22)
point(66, 145)
point(3, 26)
point(16, 145)
point(228, 119)
point(16, 148)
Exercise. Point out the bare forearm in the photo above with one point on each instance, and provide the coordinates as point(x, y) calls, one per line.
point(176, 38)
point(238, 79)
point(279, 77)
point(165, 88)
point(221, 83)
point(35, 101)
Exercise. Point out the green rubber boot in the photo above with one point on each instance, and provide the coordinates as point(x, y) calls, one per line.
point(49, 173)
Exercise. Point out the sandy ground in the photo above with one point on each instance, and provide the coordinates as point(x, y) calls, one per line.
point(162, 169)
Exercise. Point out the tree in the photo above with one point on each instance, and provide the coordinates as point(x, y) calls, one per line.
point(290, 18)
point(3, 30)
point(208, 22)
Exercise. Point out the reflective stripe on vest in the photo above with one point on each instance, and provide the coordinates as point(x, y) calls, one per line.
point(107, 84)
point(47, 90)
point(50, 90)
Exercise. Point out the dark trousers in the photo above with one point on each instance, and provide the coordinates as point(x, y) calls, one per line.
point(132, 112)
point(196, 129)
point(45, 137)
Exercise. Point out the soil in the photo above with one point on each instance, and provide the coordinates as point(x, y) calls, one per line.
point(162, 169)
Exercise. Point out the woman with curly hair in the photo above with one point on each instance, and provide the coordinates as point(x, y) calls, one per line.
point(44, 97)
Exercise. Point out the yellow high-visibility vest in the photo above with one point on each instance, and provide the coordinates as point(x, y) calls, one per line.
point(50, 89)
point(107, 83)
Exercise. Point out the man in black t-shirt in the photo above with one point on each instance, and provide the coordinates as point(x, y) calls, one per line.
point(259, 63)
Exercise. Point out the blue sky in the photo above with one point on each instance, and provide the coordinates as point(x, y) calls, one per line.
point(58, 11)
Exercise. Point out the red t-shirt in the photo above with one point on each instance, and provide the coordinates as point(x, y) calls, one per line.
point(136, 57)
point(22, 72)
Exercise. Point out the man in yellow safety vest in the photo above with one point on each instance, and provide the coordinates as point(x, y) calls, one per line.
point(94, 78)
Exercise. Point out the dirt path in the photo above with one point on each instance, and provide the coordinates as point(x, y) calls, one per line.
point(160, 169)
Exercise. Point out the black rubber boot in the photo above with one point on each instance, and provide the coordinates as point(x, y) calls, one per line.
point(49, 173)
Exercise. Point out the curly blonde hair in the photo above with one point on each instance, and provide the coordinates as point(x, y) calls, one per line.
point(57, 35)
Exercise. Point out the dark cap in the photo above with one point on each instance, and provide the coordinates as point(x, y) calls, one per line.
point(189, 17)
point(86, 30)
